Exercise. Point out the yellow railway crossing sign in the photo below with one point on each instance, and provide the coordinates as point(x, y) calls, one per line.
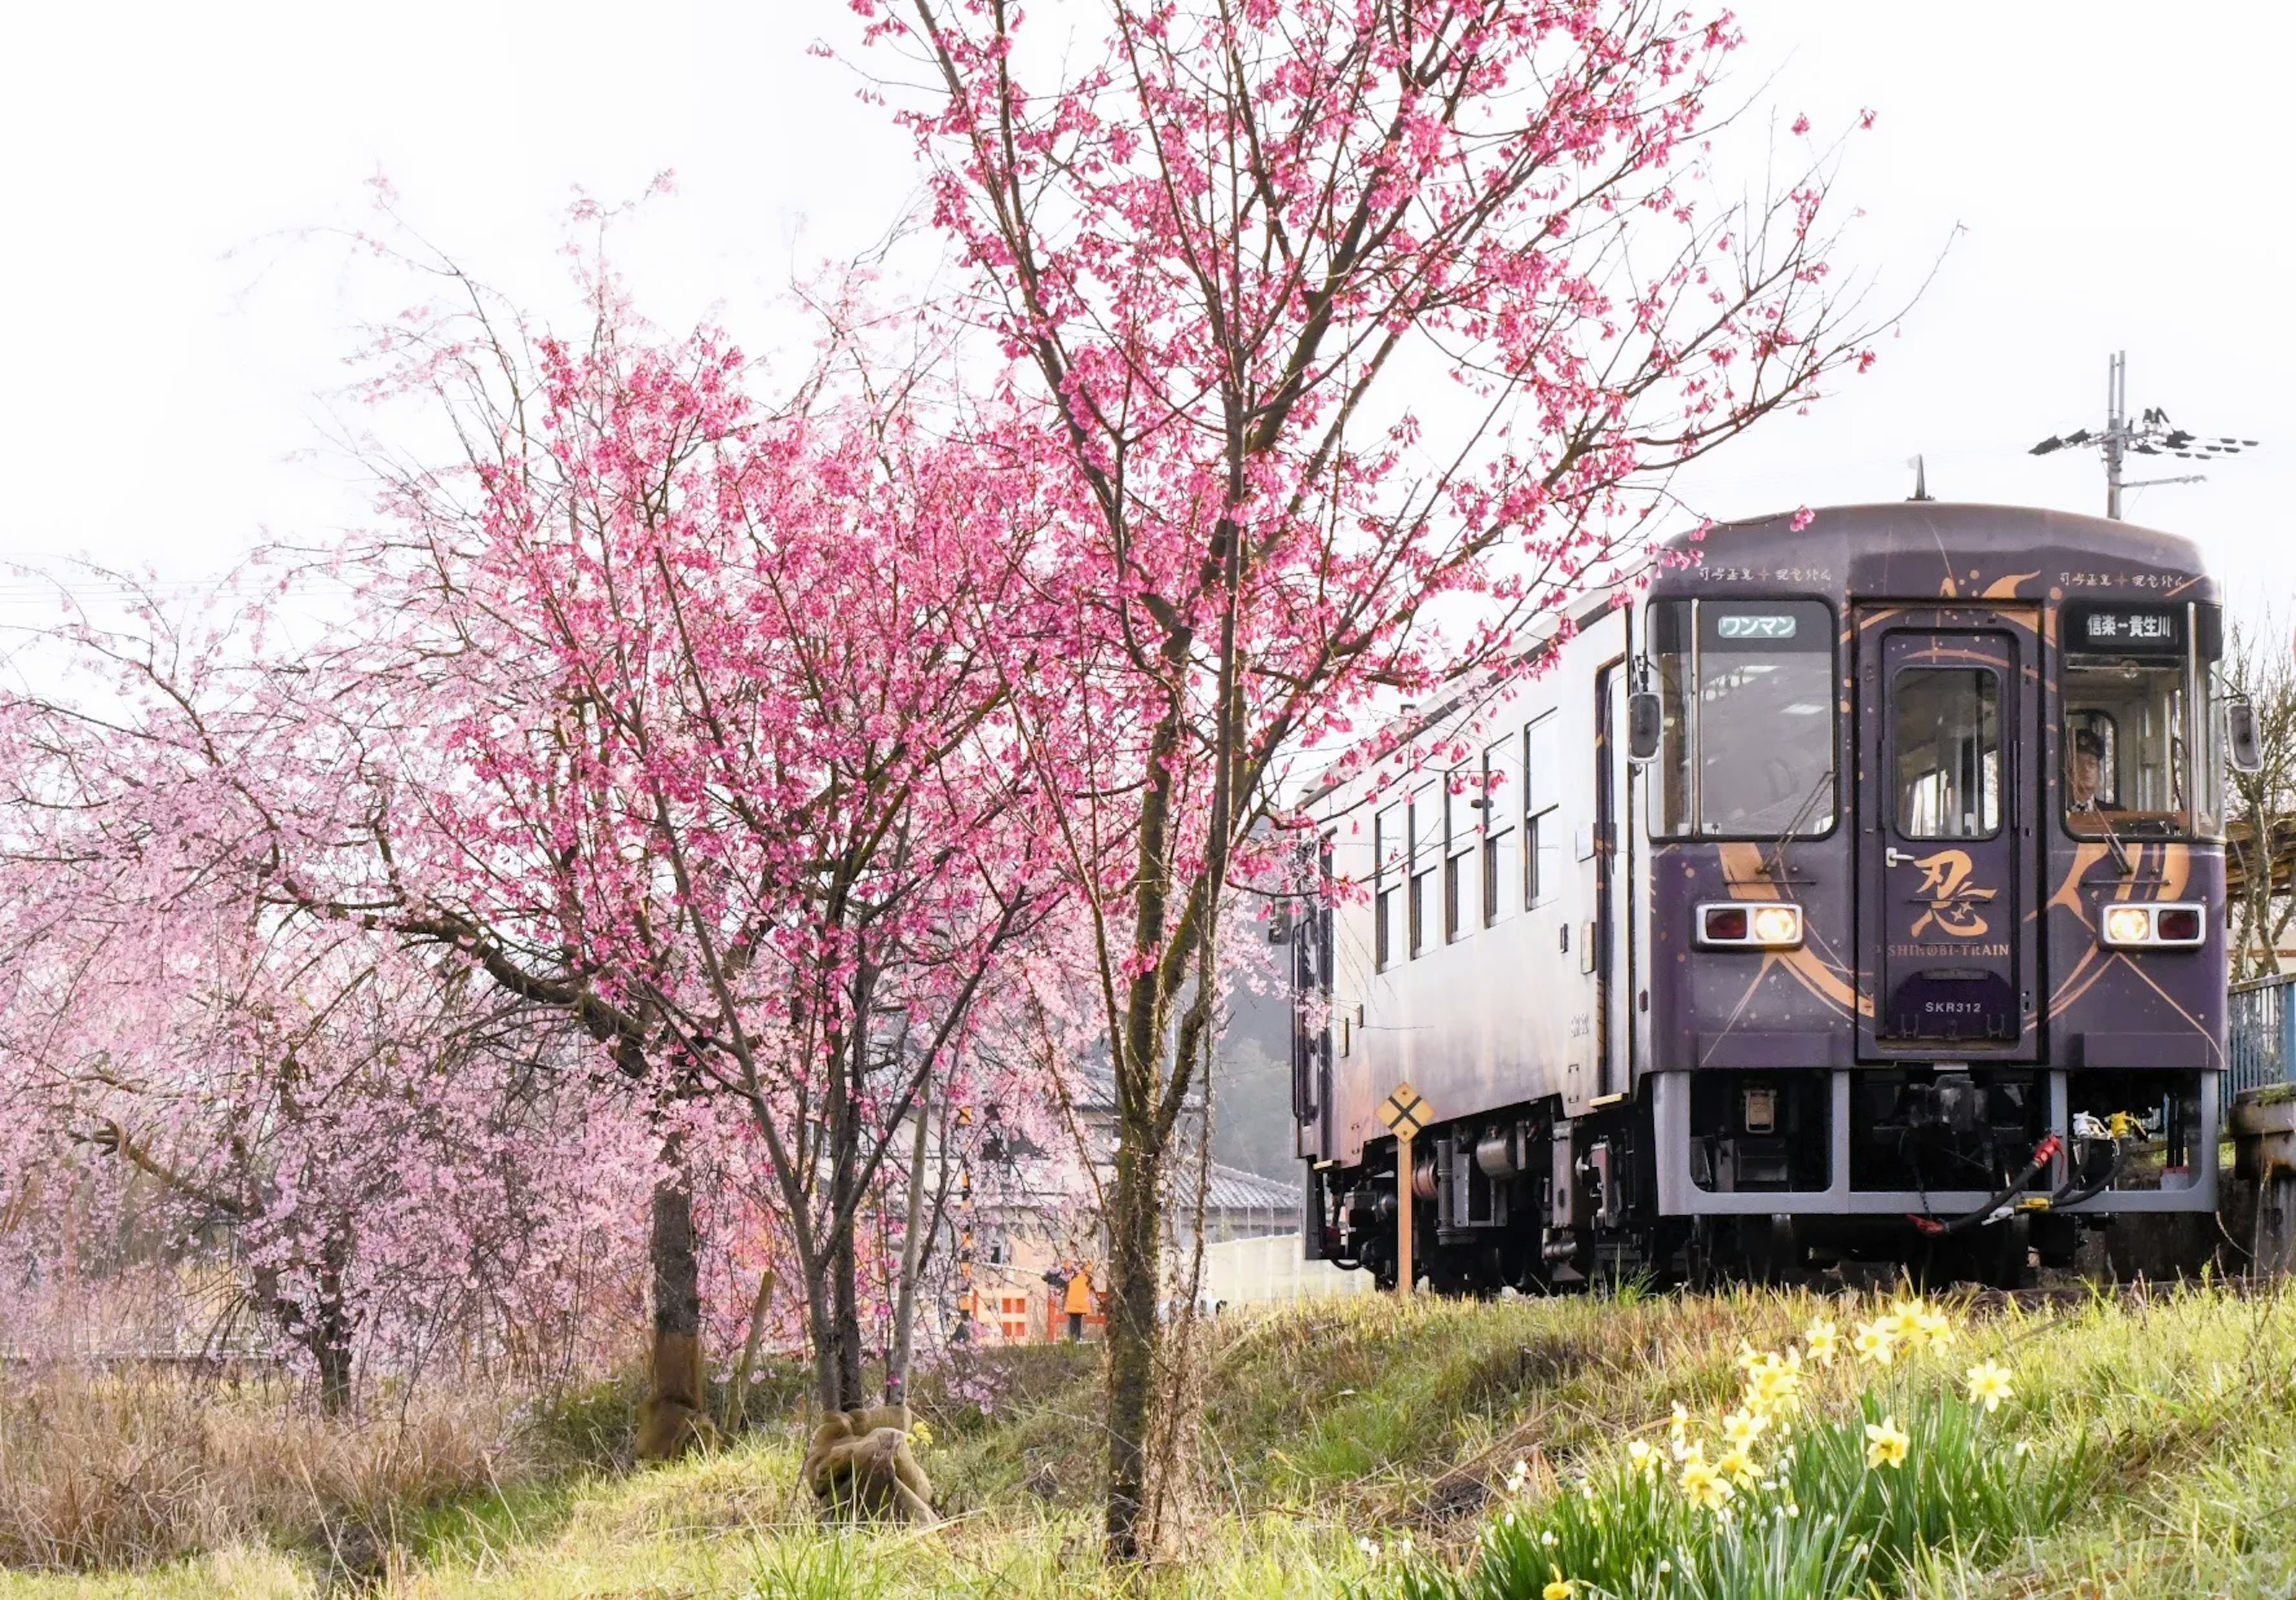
point(1406, 1112)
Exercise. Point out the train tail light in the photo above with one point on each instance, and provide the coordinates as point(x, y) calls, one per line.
point(2169, 923)
point(1750, 924)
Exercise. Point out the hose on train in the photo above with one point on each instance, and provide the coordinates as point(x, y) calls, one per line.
point(2001, 1204)
point(2122, 1132)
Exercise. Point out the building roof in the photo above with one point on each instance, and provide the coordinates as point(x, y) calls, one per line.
point(1234, 1189)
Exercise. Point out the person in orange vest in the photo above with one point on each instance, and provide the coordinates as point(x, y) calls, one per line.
point(1078, 1302)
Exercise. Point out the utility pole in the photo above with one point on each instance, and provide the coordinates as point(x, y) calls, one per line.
point(2150, 434)
point(2116, 428)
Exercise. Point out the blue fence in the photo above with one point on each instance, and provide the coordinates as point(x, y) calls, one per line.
point(2262, 1034)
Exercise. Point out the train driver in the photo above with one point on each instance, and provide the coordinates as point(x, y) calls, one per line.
point(2087, 778)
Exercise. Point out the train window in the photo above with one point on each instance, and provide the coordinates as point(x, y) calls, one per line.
point(2213, 740)
point(1501, 798)
point(1389, 863)
point(1746, 689)
point(1542, 817)
point(1673, 809)
point(1948, 752)
point(1460, 839)
point(2124, 746)
point(1426, 824)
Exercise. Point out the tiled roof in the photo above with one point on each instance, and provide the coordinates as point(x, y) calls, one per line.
point(1232, 1189)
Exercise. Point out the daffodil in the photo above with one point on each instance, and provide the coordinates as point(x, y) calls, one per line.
point(1737, 1464)
point(1774, 1382)
point(920, 1433)
point(1743, 1428)
point(1642, 1457)
point(1560, 1588)
point(1677, 1434)
point(1704, 1486)
point(1876, 1342)
point(1936, 1329)
point(1886, 1443)
point(1824, 1340)
point(1989, 1385)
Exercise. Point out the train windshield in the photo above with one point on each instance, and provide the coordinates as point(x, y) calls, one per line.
point(1748, 691)
point(2128, 688)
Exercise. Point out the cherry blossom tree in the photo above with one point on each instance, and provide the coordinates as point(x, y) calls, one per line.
point(719, 751)
point(395, 1159)
point(669, 719)
point(1331, 318)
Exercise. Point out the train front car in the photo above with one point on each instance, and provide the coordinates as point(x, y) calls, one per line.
point(1892, 852)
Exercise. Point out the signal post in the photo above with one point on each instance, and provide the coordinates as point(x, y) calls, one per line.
point(1405, 1113)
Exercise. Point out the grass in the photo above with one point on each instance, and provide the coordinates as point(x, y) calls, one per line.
point(1328, 1424)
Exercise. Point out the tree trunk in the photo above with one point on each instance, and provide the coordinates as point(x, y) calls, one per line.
point(1133, 1336)
point(846, 1307)
point(905, 1306)
point(821, 1332)
point(737, 1401)
point(675, 1374)
point(330, 1326)
point(843, 1374)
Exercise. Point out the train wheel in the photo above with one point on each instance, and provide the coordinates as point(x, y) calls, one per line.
point(1995, 1257)
point(1701, 1256)
point(1773, 1255)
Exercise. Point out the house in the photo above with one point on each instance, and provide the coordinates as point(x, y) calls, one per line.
point(1026, 1220)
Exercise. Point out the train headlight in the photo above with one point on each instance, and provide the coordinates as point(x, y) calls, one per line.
point(1779, 925)
point(1750, 926)
point(2172, 923)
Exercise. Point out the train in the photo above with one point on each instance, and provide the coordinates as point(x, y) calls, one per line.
point(1849, 895)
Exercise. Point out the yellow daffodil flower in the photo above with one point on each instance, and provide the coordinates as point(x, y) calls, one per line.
point(1876, 1342)
point(1743, 1428)
point(1642, 1457)
point(1703, 1487)
point(1989, 1385)
point(1775, 1384)
point(1561, 1589)
point(1739, 1467)
point(1824, 1340)
point(1886, 1443)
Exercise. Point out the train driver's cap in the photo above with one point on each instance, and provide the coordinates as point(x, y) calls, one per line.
point(2089, 741)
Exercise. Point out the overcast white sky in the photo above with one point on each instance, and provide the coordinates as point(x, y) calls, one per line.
point(2119, 172)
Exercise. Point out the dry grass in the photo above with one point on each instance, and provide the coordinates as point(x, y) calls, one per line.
point(1322, 1423)
point(129, 1471)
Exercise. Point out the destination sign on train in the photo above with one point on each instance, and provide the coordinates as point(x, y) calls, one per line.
point(2138, 630)
point(1770, 625)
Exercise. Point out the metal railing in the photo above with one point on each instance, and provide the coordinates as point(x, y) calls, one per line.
point(2262, 1034)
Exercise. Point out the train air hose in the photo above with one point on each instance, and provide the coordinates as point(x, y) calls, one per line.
point(2001, 1204)
point(2122, 1130)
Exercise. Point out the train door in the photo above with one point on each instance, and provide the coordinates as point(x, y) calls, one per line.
point(1613, 941)
point(1312, 1019)
point(1948, 800)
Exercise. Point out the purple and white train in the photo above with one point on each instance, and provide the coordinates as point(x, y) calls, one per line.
point(1855, 894)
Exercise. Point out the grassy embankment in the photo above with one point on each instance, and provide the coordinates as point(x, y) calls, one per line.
point(1330, 1425)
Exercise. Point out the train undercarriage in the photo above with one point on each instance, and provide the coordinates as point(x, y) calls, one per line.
point(1948, 1172)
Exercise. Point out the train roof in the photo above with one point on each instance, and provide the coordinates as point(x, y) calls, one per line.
point(1901, 549)
point(1909, 548)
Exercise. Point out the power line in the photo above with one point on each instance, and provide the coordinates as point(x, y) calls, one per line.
point(2150, 434)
